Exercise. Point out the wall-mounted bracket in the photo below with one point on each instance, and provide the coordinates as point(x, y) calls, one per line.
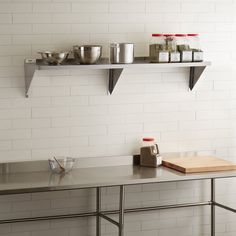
point(114, 75)
point(195, 74)
point(30, 68)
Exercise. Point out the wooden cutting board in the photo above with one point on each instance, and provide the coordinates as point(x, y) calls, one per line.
point(198, 164)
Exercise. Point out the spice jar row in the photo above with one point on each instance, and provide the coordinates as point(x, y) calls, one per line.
point(175, 48)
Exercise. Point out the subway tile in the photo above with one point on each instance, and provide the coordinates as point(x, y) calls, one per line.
point(51, 29)
point(198, 7)
point(50, 112)
point(50, 91)
point(31, 39)
point(15, 50)
point(88, 130)
point(6, 7)
point(5, 40)
point(51, 7)
point(15, 29)
point(71, 18)
point(50, 132)
point(90, 7)
point(15, 113)
point(5, 18)
point(127, 7)
point(163, 7)
point(5, 82)
point(106, 140)
point(15, 134)
point(88, 90)
point(5, 124)
point(31, 123)
point(5, 145)
point(87, 28)
point(126, 28)
point(45, 154)
point(125, 128)
point(14, 156)
point(32, 18)
point(40, 143)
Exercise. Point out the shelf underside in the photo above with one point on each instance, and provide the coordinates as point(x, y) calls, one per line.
point(115, 70)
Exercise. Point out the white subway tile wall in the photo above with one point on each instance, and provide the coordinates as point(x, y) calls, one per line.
point(70, 113)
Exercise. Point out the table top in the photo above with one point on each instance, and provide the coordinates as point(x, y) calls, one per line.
point(43, 181)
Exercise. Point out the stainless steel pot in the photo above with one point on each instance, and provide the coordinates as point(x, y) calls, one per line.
point(87, 54)
point(121, 53)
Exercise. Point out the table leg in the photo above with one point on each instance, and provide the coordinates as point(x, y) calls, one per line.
point(213, 207)
point(121, 211)
point(98, 210)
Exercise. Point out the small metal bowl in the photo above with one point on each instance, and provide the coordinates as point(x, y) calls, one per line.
point(54, 58)
point(61, 165)
point(87, 54)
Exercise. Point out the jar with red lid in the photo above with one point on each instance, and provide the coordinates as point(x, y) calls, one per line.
point(174, 55)
point(194, 42)
point(147, 142)
point(157, 49)
point(182, 42)
point(183, 47)
point(158, 39)
point(170, 42)
point(149, 153)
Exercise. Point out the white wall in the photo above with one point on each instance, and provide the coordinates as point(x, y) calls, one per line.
point(70, 113)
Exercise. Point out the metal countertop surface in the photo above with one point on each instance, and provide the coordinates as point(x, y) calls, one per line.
point(43, 181)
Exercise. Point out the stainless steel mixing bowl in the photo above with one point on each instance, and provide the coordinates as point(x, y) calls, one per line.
point(54, 58)
point(87, 54)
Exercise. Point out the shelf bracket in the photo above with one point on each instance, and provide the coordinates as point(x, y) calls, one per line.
point(195, 74)
point(114, 75)
point(30, 67)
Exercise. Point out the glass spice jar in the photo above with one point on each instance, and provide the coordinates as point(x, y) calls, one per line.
point(157, 49)
point(194, 42)
point(171, 45)
point(170, 41)
point(182, 42)
point(158, 39)
point(184, 48)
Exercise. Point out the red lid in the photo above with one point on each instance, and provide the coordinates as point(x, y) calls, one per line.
point(148, 139)
point(168, 35)
point(192, 34)
point(181, 35)
point(157, 35)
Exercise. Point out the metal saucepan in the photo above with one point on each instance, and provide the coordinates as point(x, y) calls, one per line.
point(87, 54)
point(54, 58)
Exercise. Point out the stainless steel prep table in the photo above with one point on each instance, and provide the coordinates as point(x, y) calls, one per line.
point(99, 177)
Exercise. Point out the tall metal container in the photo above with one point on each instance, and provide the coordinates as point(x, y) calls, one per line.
point(121, 53)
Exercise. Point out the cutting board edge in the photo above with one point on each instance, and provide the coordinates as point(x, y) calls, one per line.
point(173, 166)
point(198, 170)
point(209, 169)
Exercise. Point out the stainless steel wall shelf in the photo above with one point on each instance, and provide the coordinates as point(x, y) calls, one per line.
point(114, 70)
